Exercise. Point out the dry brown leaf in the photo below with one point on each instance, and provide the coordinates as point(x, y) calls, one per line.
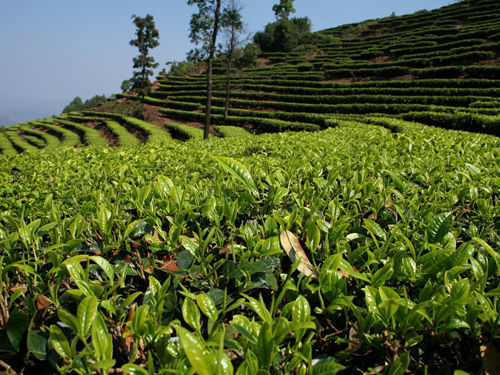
point(225, 250)
point(42, 303)
point(169, 265)
point(294, 250)
point(491, 359)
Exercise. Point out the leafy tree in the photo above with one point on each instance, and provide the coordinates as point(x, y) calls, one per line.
point(147, 38)
point(232, 25)
point(284, 35)
point(126, 85)
point(204, 27)
point(247, 56)
point(180, 68)
point(75, 105)
point(78, 105)
point(283, 9)
point(94, 101)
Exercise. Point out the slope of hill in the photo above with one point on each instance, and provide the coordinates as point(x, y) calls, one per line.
point(440, 68)
point(437, 67)
point(359, 243)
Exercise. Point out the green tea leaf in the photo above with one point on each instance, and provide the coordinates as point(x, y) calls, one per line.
point(139, 323)
point(105, 266)
point(346, 267)
point(250, 366)
point(489, 250)
point(184, 259)
point(301, 311)
point(265, 346)
point(383, 274)
point(68, 319)
point(197, 352)
point(374, 228)
point(60, 342)
point(86, 313)
point(239, 172)
point(102, 341)
point(439, 227)
point(37, 345)
point(191, 314)
point(190, 246)
point(400, 365)
point(326, 366)
point(104, 220)
point(16, 327)
point(207, 306)
point(131, 369)
point(313, 236)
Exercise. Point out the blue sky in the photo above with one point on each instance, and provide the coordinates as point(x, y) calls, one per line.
point(54, 50)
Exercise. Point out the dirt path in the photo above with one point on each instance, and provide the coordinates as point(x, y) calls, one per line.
point(21, 134)
point(105, 132)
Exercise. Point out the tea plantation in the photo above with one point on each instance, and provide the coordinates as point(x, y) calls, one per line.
point(344, 217)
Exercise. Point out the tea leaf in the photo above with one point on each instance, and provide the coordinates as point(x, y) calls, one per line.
point(16, 327)
point(37, 345)
point(207, 306)
point(400, 365)
point(86, 313)
point(326, 366)
point(191, 314)
point(197, 353)
point(60, 342)
point(439, 227)
point(239, 172)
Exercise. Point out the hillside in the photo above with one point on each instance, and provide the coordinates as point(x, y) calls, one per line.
point(362, 241)
point(437, 67)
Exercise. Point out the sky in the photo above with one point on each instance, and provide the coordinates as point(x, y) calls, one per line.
point(54, 50)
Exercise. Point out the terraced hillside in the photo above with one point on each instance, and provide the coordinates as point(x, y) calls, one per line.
point(366, 243)
point(439, 68)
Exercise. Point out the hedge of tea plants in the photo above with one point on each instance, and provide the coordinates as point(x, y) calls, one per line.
point(350, 249)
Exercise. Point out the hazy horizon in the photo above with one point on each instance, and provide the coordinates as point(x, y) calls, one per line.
point(59, 50)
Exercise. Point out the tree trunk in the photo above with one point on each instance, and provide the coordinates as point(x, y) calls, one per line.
point(228, 71)
point(228, 84)
point(208, 110)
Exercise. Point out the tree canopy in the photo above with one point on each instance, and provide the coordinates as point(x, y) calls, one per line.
point(284, 35)
point(77, 104)
point(204, 27)
point(283, 9)
point(147, 38)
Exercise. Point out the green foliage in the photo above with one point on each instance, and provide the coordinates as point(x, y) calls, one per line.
point(180, 68)
point(170, 257)
point(88, 135)
point(126, 85)
point(400, 228)
point(284, 35)
point(458, 121)
point(283, 9)
point(147, 39)
point(232, 131)
point(247, 57)
point(184, 132)
point(203, 27)
point(75, 105)
point(78, 105)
